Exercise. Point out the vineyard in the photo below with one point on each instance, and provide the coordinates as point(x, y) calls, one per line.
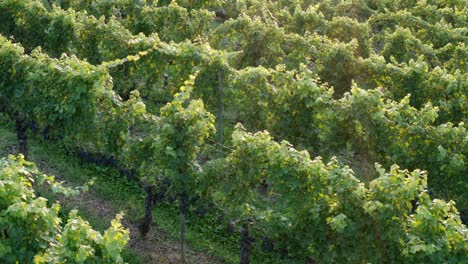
point(308, 131)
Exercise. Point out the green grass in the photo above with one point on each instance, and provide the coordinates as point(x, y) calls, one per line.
point(202, 233)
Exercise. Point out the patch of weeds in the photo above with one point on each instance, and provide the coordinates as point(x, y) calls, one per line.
point(206, 233)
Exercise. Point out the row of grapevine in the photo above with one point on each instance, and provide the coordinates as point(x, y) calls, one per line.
point(61, 94)
point(32, 230)
point(172, 22)
point(437, 29)
point(322, 211)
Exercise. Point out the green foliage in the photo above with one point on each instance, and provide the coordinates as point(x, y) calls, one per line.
point(39, 89)
point(338, 218)
point(172, 22)
point(185, 125)
point(444, 89)
point(339, 66)
point(172, 141)
point(395, 132)
point(31, 229)
point(366, 80)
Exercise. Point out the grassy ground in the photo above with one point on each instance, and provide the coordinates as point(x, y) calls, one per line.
point(111, 194)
